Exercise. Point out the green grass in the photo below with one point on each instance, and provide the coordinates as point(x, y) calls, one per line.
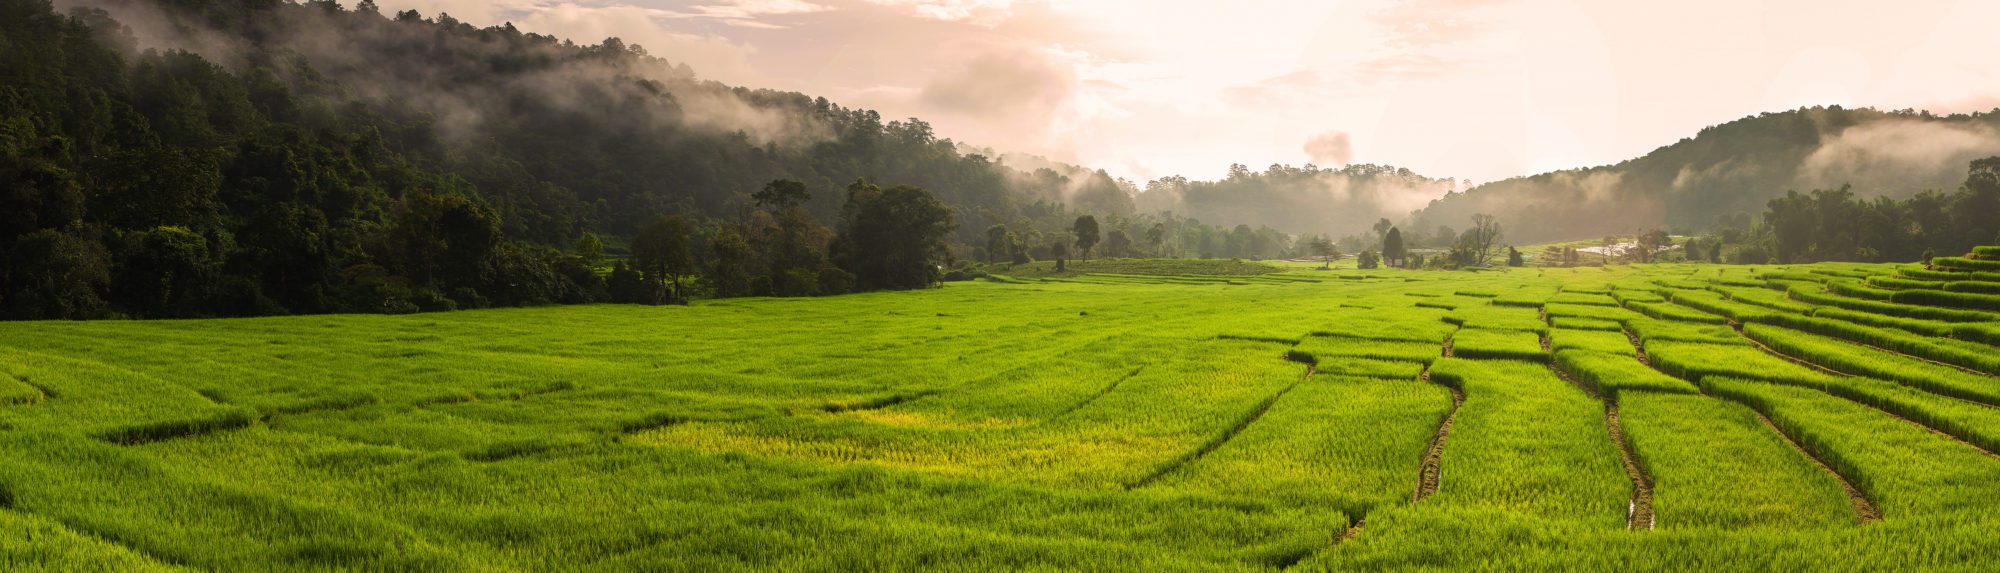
point(1515, 409)
point(1965, 264)
point(1714, 465)
point(1128, 415)
point(1861, 360)
point(1143, 267)
point(1904, 469)
point(1498, 344)
point(1344, 444)
point(1618, 374)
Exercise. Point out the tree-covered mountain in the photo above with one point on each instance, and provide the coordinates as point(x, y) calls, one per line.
point(218, 157)
point(1725, 175)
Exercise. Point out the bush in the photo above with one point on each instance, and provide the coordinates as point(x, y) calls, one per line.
point(833, 280)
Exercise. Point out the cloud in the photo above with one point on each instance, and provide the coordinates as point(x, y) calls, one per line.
point(1330, 149)
point(1289, 89)
point(980, 11)
point(1027, 85)
point(711, 56)
point(1424, 38)
point(1897, 156)
point(750, 13)
point(1431, 23)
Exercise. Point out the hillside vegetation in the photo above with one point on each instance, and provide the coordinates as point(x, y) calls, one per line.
point(1724, 175)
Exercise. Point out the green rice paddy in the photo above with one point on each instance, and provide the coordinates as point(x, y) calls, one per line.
point(1115, 416)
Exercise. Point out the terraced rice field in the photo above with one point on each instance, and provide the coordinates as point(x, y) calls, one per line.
point(1666, 417)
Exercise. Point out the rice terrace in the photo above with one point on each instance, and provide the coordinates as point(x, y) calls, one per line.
point(1643, 417)
point(698, 285)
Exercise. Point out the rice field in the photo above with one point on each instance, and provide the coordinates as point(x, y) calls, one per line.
point(1110, 417)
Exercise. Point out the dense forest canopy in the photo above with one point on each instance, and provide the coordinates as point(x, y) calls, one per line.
point(230, 157)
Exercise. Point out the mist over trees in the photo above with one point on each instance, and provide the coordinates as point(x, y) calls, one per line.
point(1308, 199)
point(239, 157)
point(1732, 170)
point(1836, 225)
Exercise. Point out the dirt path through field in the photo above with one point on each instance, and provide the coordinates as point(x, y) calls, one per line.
point(1640, 516)
point(1639, 510)
point(1638, 346)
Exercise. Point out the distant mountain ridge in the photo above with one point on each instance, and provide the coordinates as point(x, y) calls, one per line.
point(1731, 170)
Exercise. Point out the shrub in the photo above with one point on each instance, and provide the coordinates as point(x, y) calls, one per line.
point(833, 280)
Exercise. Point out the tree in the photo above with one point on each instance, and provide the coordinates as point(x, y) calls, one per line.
point(626, 285)
point(998, 242)
point(1327, 252)
point(1392, 247)
point(1514, 258)
point(796, 251)
point(781, 193)
point(662, 253)
point(590, 248)
point(730, 273)
point(1156, 237)
point(1367, 260)
point(1118, 243)
point(1060, 249)
point(57, 275)
point(1382, 228)
point(1485, 230)
point(165, 272)
point(892, 238)
point(1445, 237)
point(1086, 234)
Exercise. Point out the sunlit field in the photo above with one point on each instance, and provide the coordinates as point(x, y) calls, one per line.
point(1650, 417)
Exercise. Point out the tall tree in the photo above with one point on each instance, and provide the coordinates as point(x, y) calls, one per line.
point(1117, 243)
point(1485, 230)
point(998, 241)
point(662, 251)
point(892, 238)
point(1392, 247)
point(1085, 231)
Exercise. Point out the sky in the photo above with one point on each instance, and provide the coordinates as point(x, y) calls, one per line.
point(1471, 89)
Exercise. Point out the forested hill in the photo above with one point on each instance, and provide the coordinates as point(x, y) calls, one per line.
point(1731, 171)
point(205, 157)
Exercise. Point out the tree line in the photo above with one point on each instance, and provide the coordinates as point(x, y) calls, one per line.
point(346, 160)
point(1836, 225)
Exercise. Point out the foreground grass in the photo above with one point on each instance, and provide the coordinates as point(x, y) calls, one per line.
point(1125, 415)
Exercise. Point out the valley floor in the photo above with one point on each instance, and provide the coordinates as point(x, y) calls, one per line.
point(1666, 417)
